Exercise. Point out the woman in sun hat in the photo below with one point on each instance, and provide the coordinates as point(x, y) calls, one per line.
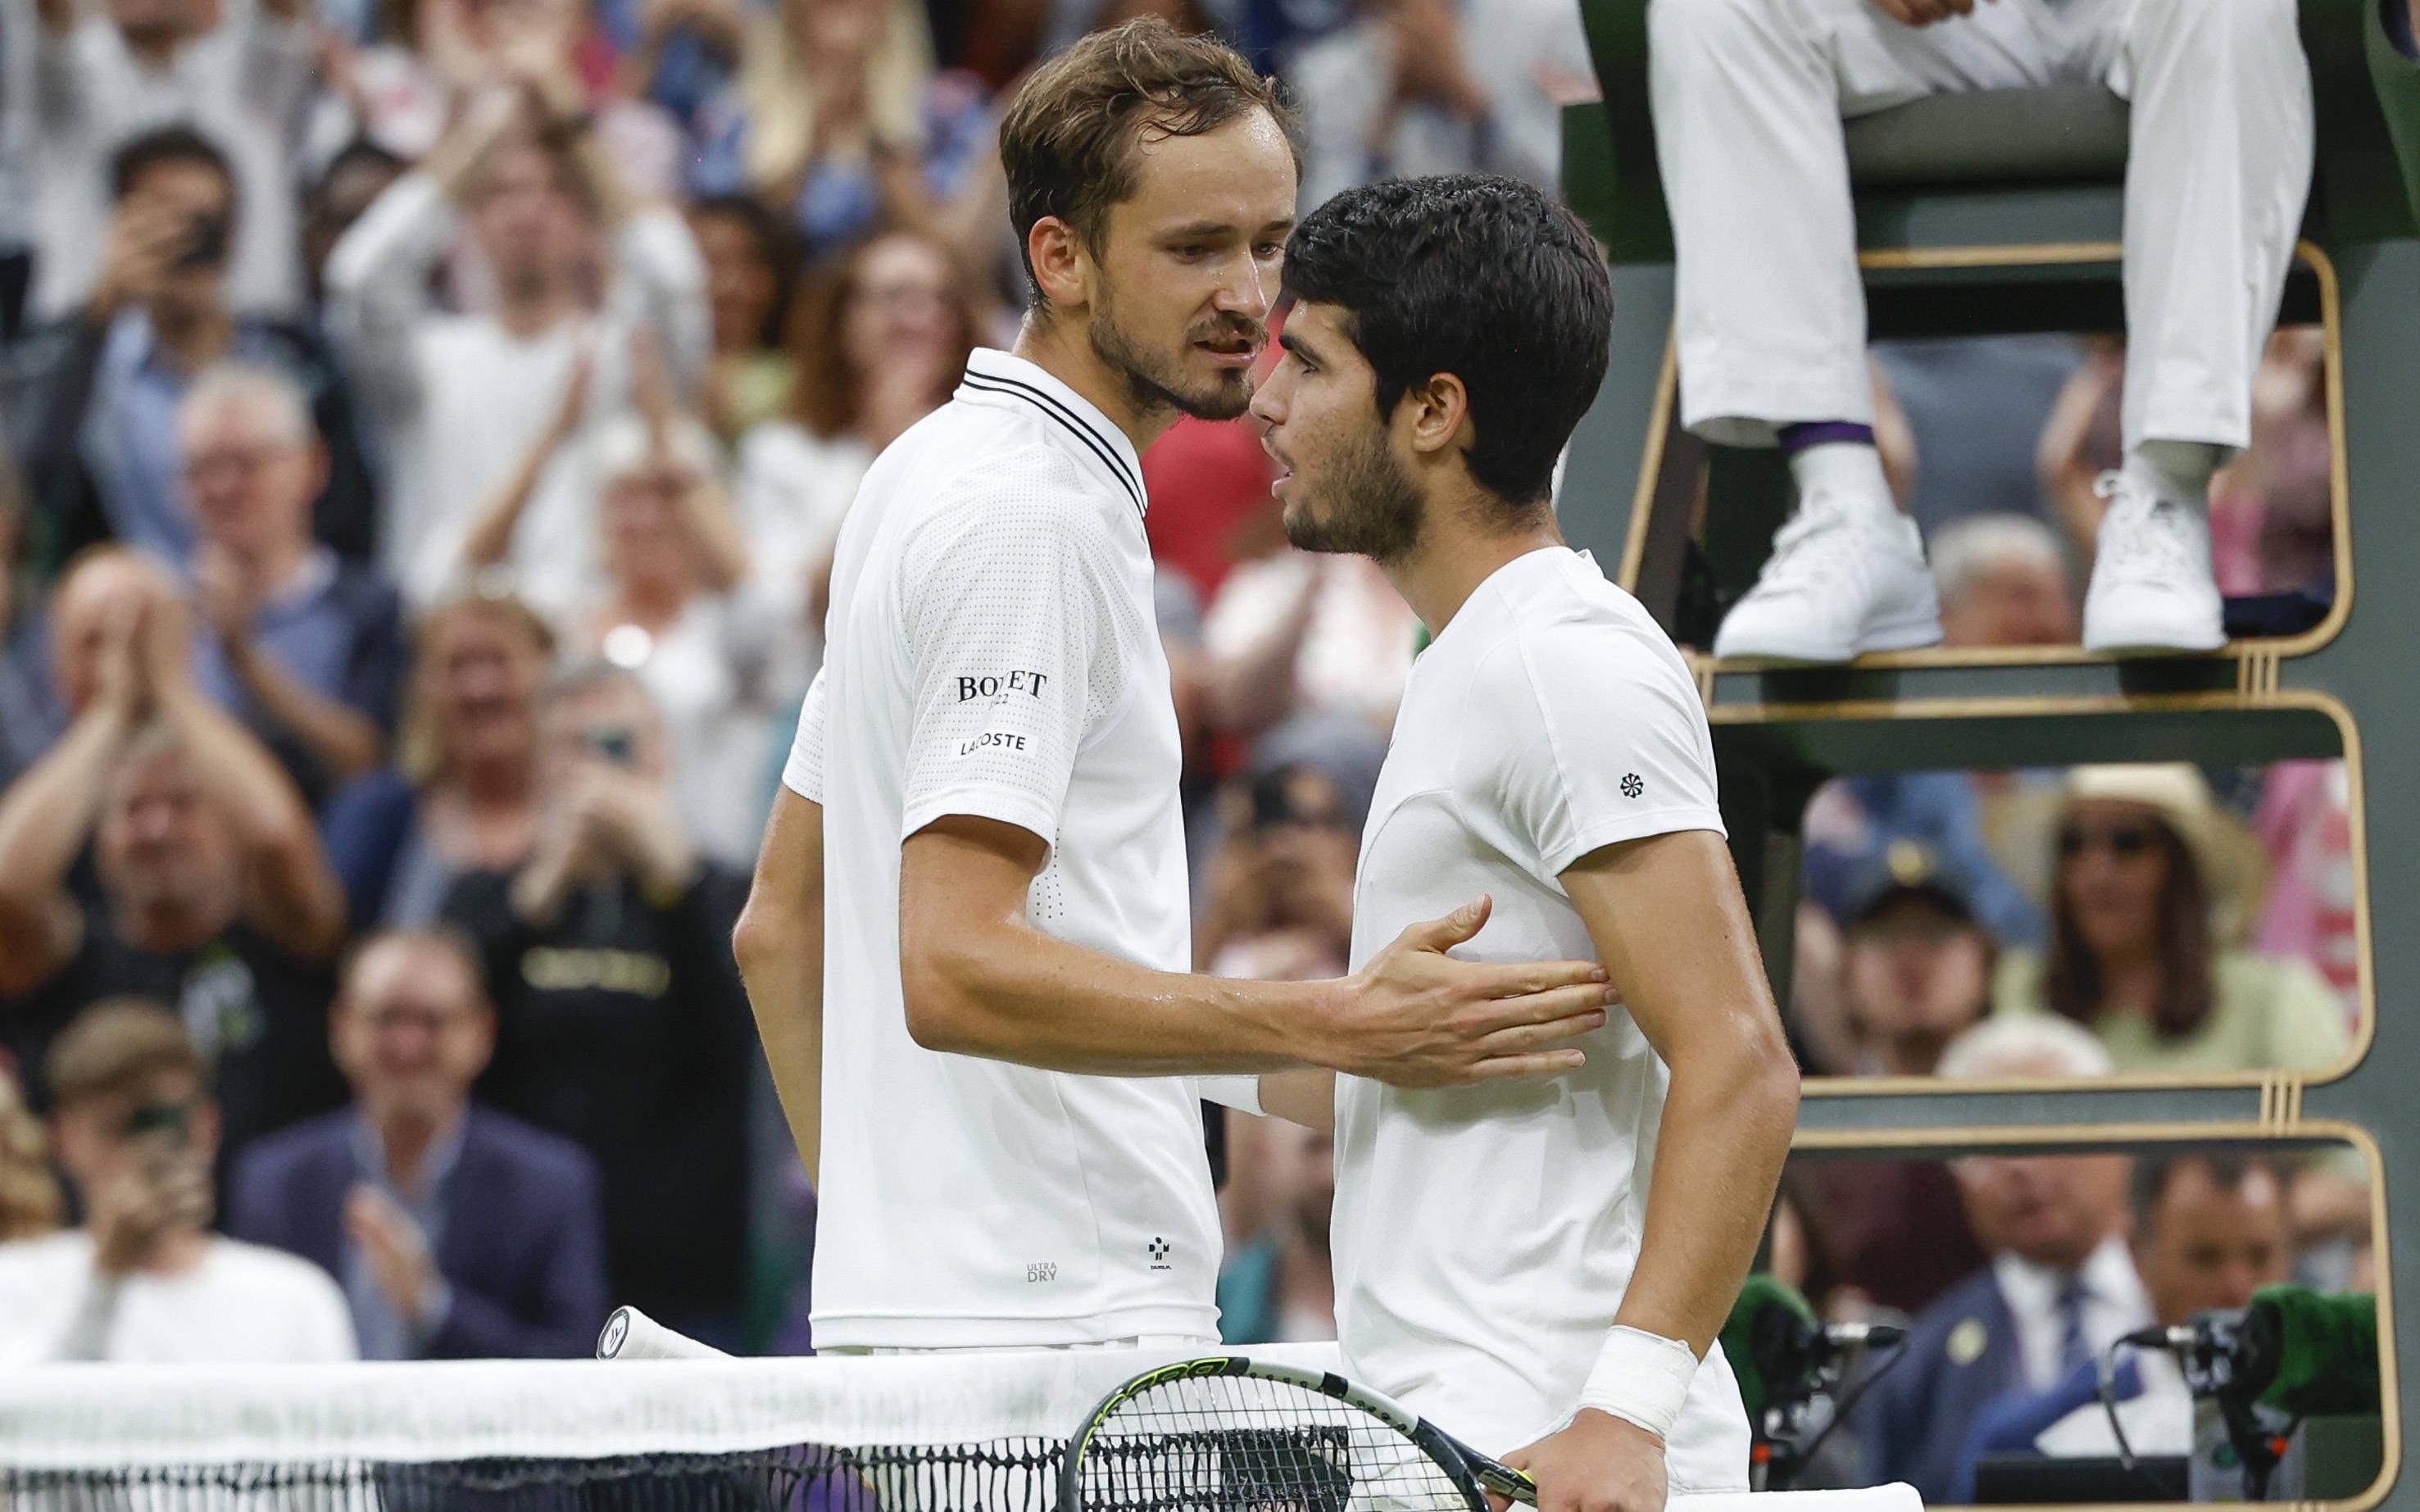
point(2153, 889)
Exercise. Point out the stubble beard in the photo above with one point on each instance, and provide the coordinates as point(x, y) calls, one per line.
point(1154, 383)
point(1373, 508)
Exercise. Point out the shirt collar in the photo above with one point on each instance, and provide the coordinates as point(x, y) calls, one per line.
point(2032, 1290)
point(369, 1154)
point(995, 377)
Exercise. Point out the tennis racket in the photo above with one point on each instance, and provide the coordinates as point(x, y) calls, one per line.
point(1228, 1434)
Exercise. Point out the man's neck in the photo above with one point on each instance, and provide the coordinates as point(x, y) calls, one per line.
point(1460, 549)
point(405, 1140)
point(1062, 348)
point(168, 931)
point(1910, 1054)
point(273, 565)
point(529, 313)
point(192, 340)
point(154, 48)
point(176, 1252)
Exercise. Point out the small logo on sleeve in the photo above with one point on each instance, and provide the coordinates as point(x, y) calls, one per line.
point(1159, 1253)
point(997, 687)
point(1631, 786)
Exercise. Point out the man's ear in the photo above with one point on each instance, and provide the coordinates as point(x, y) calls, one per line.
point(1060, 263)
point(1440, 415)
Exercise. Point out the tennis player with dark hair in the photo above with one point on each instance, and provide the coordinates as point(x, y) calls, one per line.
point(979, 861)
point(1540, 1269)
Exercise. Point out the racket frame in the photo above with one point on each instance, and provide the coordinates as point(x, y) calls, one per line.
point(1473, 1472)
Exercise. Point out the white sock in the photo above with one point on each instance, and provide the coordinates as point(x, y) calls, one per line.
point(1850, 470)
point(2179, 469)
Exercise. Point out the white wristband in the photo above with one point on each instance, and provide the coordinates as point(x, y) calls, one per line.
point(1640, 1378)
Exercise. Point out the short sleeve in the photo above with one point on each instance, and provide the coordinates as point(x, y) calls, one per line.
point(1013, 621)
point(803, 773)
point(1605, 741)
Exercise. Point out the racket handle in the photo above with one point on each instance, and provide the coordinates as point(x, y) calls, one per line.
point(1505, 1481)
point(631, 1335)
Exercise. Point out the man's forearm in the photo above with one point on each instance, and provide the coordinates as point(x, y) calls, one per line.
point(1718, 1156)
point(1011, 993)
point(48, 814)
point(298, 901)
point(780, 953)
point(341, 738)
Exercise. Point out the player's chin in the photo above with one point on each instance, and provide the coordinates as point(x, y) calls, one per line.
point(1223, 394)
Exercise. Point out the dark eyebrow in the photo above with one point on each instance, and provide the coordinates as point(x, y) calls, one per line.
point(1299, 347)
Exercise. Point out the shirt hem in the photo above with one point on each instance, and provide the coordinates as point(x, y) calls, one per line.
point(1631, 827)
point(1030, 814)
point(859, 1330)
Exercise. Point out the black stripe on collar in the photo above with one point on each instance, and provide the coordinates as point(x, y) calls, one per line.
point(1050, 405)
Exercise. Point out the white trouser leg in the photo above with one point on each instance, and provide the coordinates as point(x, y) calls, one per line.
point(2216, 174)
point(1748, 98)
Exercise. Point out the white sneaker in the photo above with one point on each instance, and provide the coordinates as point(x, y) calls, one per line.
point(1839, 581)
point(2151, 585)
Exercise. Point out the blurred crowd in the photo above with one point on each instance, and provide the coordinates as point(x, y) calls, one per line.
point(424, 430)
point(424, 426)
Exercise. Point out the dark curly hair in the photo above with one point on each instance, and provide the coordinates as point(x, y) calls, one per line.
point(1483, 277)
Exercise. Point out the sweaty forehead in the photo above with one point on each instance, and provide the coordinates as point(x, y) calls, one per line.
point(1241, 175)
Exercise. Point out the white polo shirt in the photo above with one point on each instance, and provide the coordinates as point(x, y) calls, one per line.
point(992, 651)
point(1484, 1237)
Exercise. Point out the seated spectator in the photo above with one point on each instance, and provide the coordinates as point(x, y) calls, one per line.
point(463, 793)
point(345, 189)
point(1917, 965)
point(1748, 99)
point(213, 894)
point(2335, 1249)
point(620, 1015)
point(104, 385)
point(27, 721)
point(880, 347)
point(675, 608)
point(838, 120)
point(144, 1279)
point(1281, 885)
point(1281, 1287)
point(2154, 884)
point(2059, 1289)
point(458, 400)
point(1916, 973)
point(752, 273)
point(2209, 1230)
point(458, 1233)
point(1414, 87)
point(306, 648)
point(1322, 643)
point(1853, 824)
point(2305, 822)
point(102, 75)
point(30, 1203)
point(2003, 582)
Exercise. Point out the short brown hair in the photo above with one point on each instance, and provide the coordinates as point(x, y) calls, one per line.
point(116, 1047)
point(1068, 140)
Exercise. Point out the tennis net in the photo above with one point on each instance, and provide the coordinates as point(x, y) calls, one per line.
point(947, 1433)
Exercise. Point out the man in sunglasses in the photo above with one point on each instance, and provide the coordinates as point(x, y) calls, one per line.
point(144, 1279)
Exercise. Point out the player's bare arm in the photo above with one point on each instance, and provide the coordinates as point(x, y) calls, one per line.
point(981, 981)
point(780, 944)
point(1667, 915)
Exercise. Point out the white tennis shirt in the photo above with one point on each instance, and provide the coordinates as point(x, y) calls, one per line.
point(992, 651)
point(1484, 1237)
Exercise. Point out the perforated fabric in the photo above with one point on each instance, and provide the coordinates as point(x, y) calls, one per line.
point(993, 652)
point(1550, 717)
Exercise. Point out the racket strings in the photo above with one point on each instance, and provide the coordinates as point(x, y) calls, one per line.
point(1219, 1444)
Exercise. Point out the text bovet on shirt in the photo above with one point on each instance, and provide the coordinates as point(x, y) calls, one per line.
point(1484, 1236)
point(992, 651)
